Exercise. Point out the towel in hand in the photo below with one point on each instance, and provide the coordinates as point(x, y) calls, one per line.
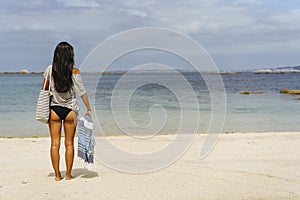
point(86, 139)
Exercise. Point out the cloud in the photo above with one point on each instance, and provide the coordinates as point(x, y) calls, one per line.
point(248, 2)
point(135, 12)
point(222, 26)
point(215, 19)
point(129, 3)
point(79, 3)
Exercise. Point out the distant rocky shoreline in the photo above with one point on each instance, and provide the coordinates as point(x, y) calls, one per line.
point(27, 72)
point(21, 72)
point(279, 70)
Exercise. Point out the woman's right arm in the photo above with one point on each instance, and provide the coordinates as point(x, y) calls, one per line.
point(80, 91)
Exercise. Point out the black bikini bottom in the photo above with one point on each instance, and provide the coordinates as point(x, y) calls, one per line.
point(62, 112)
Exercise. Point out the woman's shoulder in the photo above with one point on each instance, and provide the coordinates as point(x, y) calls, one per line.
point(75, 71)
point(47, 72)
point(48, 68)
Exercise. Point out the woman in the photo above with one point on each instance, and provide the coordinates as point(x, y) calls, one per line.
point(65, 84)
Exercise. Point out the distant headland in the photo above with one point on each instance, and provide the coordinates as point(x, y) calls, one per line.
point(278, 70)
point(23, 71)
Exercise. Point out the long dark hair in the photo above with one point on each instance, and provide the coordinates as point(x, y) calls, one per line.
point(62, 67)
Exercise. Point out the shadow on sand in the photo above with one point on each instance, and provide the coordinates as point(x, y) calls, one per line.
point(78, 173)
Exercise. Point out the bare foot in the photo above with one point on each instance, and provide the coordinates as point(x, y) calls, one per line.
point(69, 177)
point(58, 178)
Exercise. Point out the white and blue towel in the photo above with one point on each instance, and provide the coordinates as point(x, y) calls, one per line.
point(86, 140)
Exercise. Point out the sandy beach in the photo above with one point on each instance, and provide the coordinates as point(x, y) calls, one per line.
point(241, 166)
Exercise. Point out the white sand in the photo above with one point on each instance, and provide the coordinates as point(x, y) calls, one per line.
point(241, 166)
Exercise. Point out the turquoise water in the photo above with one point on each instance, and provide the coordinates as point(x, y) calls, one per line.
point(270, 111)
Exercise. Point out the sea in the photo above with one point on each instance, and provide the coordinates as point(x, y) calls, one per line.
point(137, 105)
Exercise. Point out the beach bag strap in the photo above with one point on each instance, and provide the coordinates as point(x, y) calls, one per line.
point(49, 74)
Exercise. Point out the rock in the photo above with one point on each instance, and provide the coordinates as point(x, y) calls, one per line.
point(294, 92)
point(257, 92)
point(297, 98)
point(284, 90)
point(244, 92)
point(288, 91)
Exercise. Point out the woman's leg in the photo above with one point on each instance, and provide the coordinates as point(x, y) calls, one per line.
point(55, 132)
point(70, 128)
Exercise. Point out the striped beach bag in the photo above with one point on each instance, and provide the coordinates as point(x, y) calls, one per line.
point(43, 103)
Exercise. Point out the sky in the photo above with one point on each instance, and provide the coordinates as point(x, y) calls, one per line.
point(238, 34)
